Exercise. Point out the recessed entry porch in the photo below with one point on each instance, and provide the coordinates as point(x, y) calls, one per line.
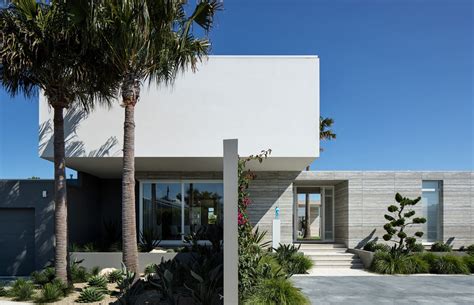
point(320, 211)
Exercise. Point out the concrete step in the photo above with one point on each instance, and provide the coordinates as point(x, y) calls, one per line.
point(336, 264)
point(320, 246)
point(323, 251)
point(336, 257)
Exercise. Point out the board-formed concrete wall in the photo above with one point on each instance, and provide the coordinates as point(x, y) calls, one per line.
point(371, 192)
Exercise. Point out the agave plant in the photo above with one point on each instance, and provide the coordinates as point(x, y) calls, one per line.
point(98, 281)
point(90, 295)
point(149, 239)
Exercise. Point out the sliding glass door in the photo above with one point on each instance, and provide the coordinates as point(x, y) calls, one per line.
point(165, 210)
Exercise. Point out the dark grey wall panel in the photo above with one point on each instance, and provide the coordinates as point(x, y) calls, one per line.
point(17, 241)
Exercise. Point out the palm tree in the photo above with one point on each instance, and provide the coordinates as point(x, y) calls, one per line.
point(41, 47)
point(148, 40)
point(324, 134)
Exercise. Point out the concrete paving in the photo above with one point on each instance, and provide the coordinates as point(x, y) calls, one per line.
point(355, 290)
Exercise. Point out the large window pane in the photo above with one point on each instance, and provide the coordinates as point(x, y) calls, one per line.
point(162, 209)
point(203, 206)
point(431, 198)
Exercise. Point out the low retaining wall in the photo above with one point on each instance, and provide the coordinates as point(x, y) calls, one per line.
point(114, 259)
point(367, 256)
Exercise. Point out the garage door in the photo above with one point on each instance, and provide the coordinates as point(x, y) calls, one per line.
point(17, 241)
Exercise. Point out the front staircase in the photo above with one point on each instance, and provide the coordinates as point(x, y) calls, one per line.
point(329, 256)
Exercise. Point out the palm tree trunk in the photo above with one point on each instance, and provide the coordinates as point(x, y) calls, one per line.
point(307, 229)
point(130, 93)
point(60, 197)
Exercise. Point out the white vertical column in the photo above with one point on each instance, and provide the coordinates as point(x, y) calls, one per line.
point(231, 259)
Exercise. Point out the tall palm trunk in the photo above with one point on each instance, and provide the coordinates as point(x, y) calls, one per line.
point(307, 229)
point(60, 196)
point(130, 95)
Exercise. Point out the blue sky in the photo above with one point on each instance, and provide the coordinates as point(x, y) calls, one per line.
point(397, 77)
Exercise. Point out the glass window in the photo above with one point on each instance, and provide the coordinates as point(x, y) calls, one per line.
point(162, 209)
point(163, 206)
point(431, 202)
point(203, 206)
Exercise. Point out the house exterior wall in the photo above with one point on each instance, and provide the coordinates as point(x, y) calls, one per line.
point(181, 127)
point(371, 192)
point(341, 212)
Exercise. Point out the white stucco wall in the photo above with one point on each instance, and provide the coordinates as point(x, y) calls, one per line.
point(264, 101)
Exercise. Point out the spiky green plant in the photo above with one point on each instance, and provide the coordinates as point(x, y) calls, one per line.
point(399, 220)
point(90, 295)
point(44, 276)
point(389, 263)
point(469, 262)
point(98, 281)
point(114, 276)
point(470, 249)
point(277, 291)
point(50, 292)
point(22, 290)
point(441, 247)
point(449, 264)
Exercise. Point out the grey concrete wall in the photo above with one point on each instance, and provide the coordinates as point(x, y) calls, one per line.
point(28, 194)
point(341, 212)
point(268, 191)
point(371, 192)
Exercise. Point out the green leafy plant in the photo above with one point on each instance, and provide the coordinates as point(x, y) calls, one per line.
point(125, 282)
point(277, 291)
point(441, 247)
point(449, 264)
point(44, 276)
point(79, 273)
point(3, 291)
point(89, 247)
point(207, 285)
point(388, 263)
point(50, 292)
point(114, 276)
point(398, 221)
point(149, 239)
point(90, 295)
point(21, 290)
point(428, 257)
point(291, 260)
point(373, 246)
point(417, 247)
point(98, 281)
point(469, 262)
point(470, 249)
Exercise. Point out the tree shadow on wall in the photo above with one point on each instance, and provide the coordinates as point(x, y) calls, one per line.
point(74, 147)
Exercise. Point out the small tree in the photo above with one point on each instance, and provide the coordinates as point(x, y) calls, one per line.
point(399, 220)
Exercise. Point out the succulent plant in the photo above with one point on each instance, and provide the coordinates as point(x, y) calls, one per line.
point(90, 294)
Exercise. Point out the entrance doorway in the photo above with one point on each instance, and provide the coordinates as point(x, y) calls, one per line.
point(314, 214)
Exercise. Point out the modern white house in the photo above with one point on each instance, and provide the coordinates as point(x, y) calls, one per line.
point(266, 102)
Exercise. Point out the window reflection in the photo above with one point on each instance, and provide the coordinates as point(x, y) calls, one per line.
point(163, 207)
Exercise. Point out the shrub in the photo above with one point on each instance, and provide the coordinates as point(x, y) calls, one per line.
point(79, 274)
point(98, 281)
point(428, 257)
point(44, 276)
point(21, 290)
point(417, 248)
point(114, 276)
point(390, 263)
point(3, 291)
point(470, 249)
point(291, 260)
point(449, 264)
point(469, 262)
point(441, 247)
point(50, 293)
point(90, 294)
point(148, 240)
point(277, 291)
